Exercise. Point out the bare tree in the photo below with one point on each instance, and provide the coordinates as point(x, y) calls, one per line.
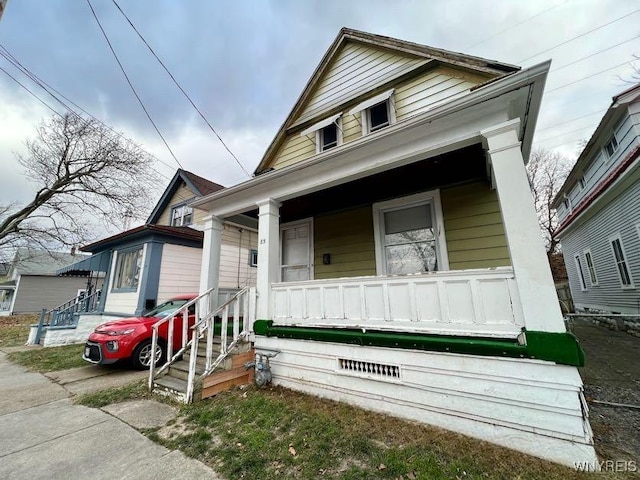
point(547, 172)
point(83, 172)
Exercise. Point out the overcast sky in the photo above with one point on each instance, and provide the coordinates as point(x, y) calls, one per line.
point(244, 63)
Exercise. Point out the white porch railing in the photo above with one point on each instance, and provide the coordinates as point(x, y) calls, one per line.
point(240, 306)
point(483, 302)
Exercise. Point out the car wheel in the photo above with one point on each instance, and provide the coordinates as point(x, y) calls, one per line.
point(142, 355)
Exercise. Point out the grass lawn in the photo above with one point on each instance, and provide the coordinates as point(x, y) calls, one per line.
point(276, 433)
point(14, 329)
point(50, 359)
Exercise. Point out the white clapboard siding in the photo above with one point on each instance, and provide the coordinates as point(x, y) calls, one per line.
point(356, 70)
point(235, 271)
point(528, 405)
point(179, 271)
point(473, 302)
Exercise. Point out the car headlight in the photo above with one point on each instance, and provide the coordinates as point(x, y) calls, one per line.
point(119, 332)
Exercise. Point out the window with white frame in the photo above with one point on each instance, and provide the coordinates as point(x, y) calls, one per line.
point(588, 258)
point(253, 257)
point(409, 235)
point(611, 146)
point(620, 260)
point(376, 112)
point(181, 216)
point(583, 285)
point(638, 229)
point(127, 272)
point(327, 132)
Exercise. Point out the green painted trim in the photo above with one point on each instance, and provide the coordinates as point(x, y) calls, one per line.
point(561, 348)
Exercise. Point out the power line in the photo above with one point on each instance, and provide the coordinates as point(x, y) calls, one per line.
point(181, 89)
point(33, 94)
point(553, 70)
point(579, 36)
point(571, 120)
point(541, 140)
point(131, 84)
point(516, 25)
point(587, 76)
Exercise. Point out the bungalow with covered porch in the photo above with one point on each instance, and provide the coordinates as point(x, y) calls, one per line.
point(400, 263)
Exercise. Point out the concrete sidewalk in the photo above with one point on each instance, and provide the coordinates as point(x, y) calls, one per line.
point(43, 435)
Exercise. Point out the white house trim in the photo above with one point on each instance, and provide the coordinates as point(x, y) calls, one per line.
point(528, 257)
point(268, 254)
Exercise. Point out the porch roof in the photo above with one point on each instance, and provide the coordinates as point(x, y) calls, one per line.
point(448, 127)
point(98, 262)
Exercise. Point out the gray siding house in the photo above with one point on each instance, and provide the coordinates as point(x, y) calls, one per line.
point(32, 284)
point(599, 213)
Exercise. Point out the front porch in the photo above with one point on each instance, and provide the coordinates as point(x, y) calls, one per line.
point(408, 276)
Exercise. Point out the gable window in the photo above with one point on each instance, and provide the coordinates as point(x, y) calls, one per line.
point(378, 116)
point(409, 235)
point(127, 272)
point(181, 216)
point(583, 285)
point(611, 146)
point(328, 137)
point(376, 112)
point(588, 258)
point(620, 261)
point(328, 133)
point(253, 258)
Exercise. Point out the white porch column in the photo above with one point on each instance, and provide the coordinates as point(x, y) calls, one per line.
point(268, 255)
point(210, 269)
point(528, 255)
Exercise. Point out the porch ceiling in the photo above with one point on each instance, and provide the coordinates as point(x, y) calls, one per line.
point(454, 167)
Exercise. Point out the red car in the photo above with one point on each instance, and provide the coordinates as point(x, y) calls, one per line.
point(130, 338)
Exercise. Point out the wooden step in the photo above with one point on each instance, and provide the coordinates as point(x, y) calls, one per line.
point(219, 382)
point(180, 369)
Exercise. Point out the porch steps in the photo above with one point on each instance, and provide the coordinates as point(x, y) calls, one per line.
point(230, 373)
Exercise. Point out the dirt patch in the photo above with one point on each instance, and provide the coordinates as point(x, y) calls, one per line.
point(612, 374)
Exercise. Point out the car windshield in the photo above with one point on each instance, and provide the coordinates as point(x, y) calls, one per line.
point(165, 309)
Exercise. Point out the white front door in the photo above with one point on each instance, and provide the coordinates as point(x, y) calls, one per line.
point(297, 252)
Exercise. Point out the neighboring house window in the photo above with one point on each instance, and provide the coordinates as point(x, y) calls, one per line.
point(181, 216)
point(582, 183)
point(409, 235)
point(638, 229)
point(253, 258)
point(621, 262)
point(611, 146)
point(128, 266)
point(328, 132)
point(588, 258)
point(377, 112)
point(583, 285)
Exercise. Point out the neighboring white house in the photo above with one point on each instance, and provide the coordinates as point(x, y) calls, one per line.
point(599, 213)
point(400, 264)
point(147, 265)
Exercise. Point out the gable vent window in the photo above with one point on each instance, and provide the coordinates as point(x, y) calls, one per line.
point(327, 133)
point(378, 116)
point(369, 369)
point(377, 112)
point(328, 137)
point(181, 216)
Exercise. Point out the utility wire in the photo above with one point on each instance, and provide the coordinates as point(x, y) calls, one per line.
point(514, 26)
point(131, 84)
point(48, 88)
point(553, 70)
point(33, 94)
point(587, 76)
point(181, 89)
point(571, 120)
point(541, 140)
point(579, 36)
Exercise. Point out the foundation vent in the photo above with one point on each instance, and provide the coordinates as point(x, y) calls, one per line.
point(380, 370)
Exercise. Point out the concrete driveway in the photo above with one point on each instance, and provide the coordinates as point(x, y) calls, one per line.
point(43, 435)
